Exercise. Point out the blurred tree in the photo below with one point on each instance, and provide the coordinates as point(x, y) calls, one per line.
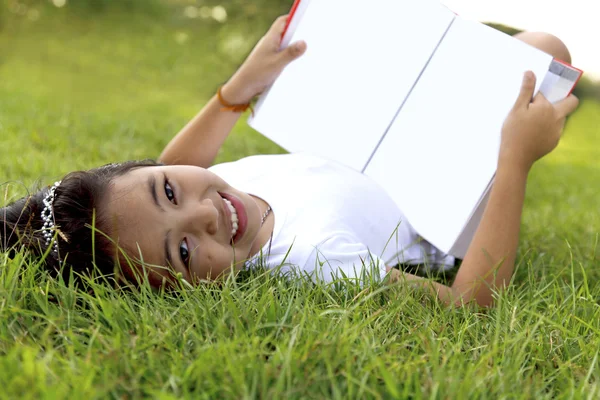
point(236, 9)
point(504, 28)
point(237, 24)
point(85, 6)
point(242, 9)
point(587, 89)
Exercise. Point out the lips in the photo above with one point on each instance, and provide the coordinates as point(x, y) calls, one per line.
point(241, 213)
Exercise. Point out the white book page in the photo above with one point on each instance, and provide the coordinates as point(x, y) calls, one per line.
point(461, 244)
point(362, 59)
point(441, 151)
point(558, 84)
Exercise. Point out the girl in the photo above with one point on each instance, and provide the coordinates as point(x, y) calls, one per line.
point(182, 216)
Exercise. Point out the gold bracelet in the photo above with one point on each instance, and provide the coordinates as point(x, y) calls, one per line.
point(233, 107)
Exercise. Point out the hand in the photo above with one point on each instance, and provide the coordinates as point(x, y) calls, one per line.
point(263, 65)
point(533, 129)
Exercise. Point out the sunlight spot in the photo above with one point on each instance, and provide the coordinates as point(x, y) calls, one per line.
point(59, 3)
point(219, 14)
point(64, 122)
point(205, 12)
point(17, 8)
point(191, 12)
point(181, 37)
point(236, 44)
point(22, 9)
point(33, 15)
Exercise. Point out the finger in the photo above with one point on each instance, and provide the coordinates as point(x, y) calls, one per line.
point(527, 88)
point(292, 52)
point(566, 106)
point(540, 99)
point(279, 24)
point(562, 127)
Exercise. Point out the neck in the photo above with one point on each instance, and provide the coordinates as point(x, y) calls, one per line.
point(266, 230)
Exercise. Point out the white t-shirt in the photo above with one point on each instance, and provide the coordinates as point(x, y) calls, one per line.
point(328, 217)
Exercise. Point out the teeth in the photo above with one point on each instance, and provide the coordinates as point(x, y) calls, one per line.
point(234, 217)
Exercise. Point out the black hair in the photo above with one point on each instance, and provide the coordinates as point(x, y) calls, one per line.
point(82, 226)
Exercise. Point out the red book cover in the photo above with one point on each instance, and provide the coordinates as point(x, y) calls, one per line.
point(290, 16)
point(566, 64)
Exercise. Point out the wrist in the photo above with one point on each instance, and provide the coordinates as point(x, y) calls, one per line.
point(513, 166)
point(235, 93)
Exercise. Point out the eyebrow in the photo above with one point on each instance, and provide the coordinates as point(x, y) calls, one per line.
point(152, 188)
point(167, 251)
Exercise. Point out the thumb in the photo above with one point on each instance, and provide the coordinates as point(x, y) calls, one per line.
point(292, 52)
point(567, 106)
point(527, 89)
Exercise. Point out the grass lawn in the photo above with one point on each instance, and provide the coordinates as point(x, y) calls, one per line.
point(77, 92)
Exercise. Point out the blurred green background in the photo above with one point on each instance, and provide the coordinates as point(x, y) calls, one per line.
point(83, 83)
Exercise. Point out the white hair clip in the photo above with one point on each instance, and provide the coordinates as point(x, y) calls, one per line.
point(48, 218)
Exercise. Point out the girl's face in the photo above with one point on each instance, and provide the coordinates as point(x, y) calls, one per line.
point(184, 218)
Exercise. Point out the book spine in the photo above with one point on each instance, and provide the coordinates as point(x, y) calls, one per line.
point(408, 95)
point(290, 16)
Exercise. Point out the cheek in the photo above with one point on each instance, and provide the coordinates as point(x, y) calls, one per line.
point(134, 272)
point(215, 262)
point(240, 256)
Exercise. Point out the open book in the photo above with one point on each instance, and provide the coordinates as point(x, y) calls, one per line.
point(410, 94)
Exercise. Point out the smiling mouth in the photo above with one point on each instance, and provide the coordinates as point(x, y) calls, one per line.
point(234, 218)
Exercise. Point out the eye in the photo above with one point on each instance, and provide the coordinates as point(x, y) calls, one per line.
point(184, 252)
point(169, 192)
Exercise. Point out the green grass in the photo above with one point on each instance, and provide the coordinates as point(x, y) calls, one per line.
point(78, 92)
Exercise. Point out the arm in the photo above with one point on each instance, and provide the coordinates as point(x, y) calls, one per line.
point(489, 262)
point(531, 131)
point(200, 140)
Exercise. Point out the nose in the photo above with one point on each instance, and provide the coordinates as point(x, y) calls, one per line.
point(203, 217)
